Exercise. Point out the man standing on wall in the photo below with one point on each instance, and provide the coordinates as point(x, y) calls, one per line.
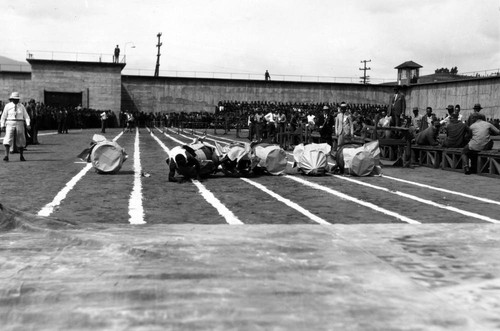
point(397, 106)
point(267, 76)
point(117, 54)
point(13, 118)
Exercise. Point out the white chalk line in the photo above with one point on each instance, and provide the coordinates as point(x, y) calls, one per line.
point(278, 197)
point(443, 190)
point(135, 208)
point(49, 208)
point(425, 201)
point(350, 198)
point(416, 183)
point(205, 193)
point(288, 202)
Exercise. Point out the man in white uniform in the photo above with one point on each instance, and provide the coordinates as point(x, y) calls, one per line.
point(12, 121)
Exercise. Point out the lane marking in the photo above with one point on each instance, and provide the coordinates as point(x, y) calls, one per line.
point(443, 190)
point(425, 201)
point(409, 182)
point(288, 202)
point(49, 208)
point(205, 193)
point(135, 208)
point(223, 210)
point(350, 198)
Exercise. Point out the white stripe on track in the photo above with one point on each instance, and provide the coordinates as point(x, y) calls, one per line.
point(288, 202)
point(223, 210)
point(135, 208)
point(411, 183)
point(205, 193)
point(443, 190)
point(352, 199)
point(48, 209)
point(428, 202)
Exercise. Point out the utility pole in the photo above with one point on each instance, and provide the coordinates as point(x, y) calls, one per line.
point(157, 68)
point(365, 78)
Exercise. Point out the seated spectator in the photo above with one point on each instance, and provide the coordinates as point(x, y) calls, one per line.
point(427, 119)
point(428, 137)
point(457, 133)
point(416, 120)
point(450, 109)
point(457, 111)
point(480, 139)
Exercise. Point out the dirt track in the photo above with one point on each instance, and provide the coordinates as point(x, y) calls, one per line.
point(370, 270)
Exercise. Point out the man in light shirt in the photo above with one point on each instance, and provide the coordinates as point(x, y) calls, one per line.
point(13, 118)
point(481, 132)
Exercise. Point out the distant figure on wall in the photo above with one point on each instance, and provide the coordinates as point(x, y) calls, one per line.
point(267, 75)
point(117, 54)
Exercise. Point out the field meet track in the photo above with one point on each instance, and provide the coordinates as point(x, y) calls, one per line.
point(412, 249)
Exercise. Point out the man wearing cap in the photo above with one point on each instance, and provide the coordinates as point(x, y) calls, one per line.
point(450, 109)
point(326, 126)
point(477, 108)
point(480, 139)
point(13, 118)
point(457, 133)
point(397, 106)
point(343, 125)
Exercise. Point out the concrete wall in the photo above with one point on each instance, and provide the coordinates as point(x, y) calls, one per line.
point(164, 94)
point(105, 88)
point(16, 81)
point(99, 83)
point(466, 93)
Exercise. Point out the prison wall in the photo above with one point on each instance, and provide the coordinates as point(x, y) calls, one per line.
point(466, 93)
point(167, 94)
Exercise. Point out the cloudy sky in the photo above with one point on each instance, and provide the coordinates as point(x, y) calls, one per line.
point(287, 37)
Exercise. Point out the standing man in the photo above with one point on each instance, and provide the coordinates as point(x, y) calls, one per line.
point(397, 106)
point(326, 126)
point(267, 76)
point(104, 118)
point(343, 125)
point(117, 54)
point(13, 118)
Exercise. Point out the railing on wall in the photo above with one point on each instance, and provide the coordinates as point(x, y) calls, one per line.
point(249, 76)
point(72, 56)
point(482, 73)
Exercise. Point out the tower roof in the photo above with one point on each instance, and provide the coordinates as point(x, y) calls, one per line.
point(408, 64)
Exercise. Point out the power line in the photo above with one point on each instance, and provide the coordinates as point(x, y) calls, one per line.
point(365, 78)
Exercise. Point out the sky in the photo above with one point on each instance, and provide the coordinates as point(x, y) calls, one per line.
point(326, 38)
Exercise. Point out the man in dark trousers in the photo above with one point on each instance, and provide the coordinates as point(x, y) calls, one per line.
point(267, 76)
point(326, 126)
point(397, 106)
point(117, 54)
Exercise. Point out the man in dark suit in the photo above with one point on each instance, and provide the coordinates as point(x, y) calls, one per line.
point(397, 106)
point(326, 124)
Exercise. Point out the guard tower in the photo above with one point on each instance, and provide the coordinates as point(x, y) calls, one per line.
point(408, 73)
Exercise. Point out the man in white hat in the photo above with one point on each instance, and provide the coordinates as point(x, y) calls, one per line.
point(13, 118)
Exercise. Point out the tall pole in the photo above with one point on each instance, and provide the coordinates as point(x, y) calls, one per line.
point(365, 78)
point(157, 68)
